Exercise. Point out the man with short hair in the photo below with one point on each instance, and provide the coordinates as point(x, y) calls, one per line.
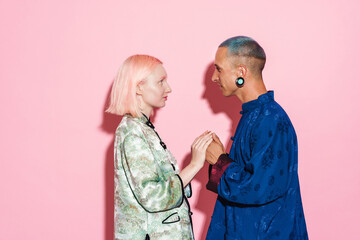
point(257, 182)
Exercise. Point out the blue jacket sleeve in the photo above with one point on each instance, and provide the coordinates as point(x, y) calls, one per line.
point(265, 176)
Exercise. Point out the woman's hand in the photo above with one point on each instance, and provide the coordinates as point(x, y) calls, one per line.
point(198, 149)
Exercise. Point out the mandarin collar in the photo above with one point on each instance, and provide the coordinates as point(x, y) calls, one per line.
point(147, 121)
point(261, 100)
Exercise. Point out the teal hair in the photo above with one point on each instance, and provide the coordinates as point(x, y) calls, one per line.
point(244, 46)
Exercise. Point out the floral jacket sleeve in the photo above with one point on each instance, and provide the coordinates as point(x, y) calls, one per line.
point(155, 188)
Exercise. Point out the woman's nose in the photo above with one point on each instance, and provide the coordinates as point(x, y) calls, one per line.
point(168, 89)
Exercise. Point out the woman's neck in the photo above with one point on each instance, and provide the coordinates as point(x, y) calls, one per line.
point(147, 112)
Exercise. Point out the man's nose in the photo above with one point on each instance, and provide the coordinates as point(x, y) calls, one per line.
point(215, 77)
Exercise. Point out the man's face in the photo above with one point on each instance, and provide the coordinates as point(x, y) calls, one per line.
point(225, 73)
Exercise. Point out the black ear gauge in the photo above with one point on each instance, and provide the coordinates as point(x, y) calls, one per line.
point(240, 82)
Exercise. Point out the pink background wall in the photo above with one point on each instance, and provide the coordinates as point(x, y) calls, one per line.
point(57, 63)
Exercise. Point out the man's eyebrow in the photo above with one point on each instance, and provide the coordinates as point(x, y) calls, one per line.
point(217, 66)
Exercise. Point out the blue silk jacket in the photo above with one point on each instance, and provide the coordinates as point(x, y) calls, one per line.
point(258, 186)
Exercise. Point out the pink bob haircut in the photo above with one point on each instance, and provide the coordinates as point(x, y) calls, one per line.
point(134, 69)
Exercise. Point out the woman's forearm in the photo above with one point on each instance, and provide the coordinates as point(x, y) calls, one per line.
point(189, 172)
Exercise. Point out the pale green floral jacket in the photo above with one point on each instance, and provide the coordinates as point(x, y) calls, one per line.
point(149, 195)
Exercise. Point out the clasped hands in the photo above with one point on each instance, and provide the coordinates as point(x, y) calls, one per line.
point(214, 150)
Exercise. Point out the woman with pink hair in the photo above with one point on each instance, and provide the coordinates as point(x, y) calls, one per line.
point(150, 190)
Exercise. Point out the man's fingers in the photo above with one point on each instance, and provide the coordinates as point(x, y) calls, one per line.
point(216, 138)
point(207, 143)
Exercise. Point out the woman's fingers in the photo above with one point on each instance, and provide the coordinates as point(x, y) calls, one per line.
point(203, 134)
point(203, 141)
point(207, 143)
point(198, 149)
point(200, 143)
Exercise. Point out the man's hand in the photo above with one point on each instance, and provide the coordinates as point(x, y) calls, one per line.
point(215, 149)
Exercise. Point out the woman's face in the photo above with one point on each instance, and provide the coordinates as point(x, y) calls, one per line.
point(155, 89)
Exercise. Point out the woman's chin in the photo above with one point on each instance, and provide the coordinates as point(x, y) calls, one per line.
point(161, 105)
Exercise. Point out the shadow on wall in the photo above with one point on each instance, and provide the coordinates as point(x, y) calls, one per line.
point(231, 106)
point(109, 125)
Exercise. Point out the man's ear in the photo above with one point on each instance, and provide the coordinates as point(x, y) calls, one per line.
point(241, 70)
point(139, 88)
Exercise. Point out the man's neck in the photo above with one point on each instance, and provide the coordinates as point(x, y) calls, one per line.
point(252, 92)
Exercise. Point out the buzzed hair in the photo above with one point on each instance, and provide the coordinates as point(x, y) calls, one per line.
point(243, 46)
